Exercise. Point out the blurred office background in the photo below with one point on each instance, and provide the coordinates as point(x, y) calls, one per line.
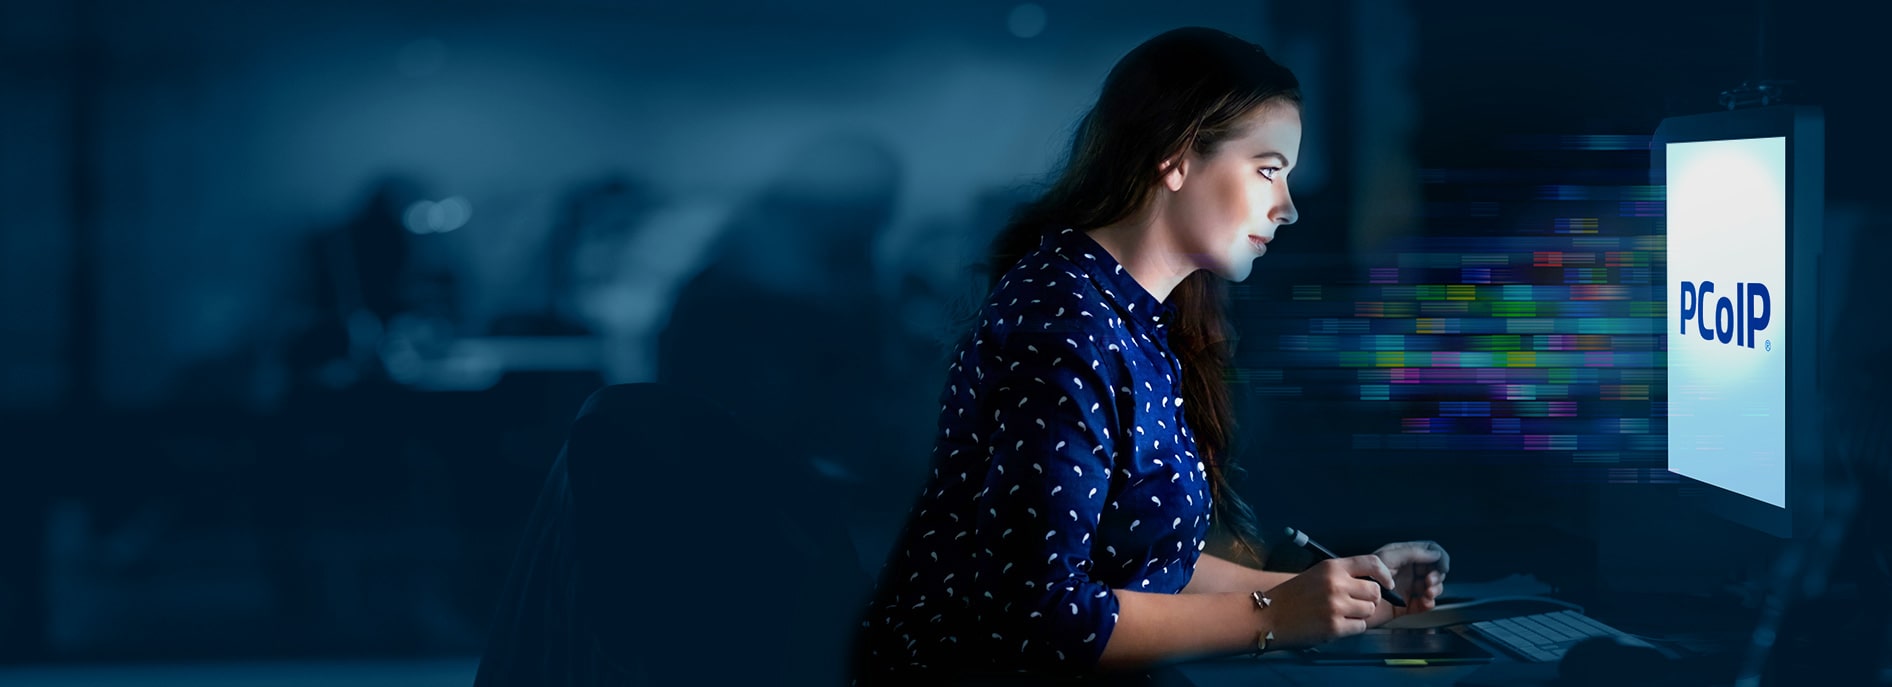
point(298, 298)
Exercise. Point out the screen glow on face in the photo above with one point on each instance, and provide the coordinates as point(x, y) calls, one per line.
point(1727, 314)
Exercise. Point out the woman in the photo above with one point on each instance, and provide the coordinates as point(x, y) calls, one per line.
point(1061, 531)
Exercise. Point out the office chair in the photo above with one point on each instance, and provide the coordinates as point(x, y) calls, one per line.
point(671, 546)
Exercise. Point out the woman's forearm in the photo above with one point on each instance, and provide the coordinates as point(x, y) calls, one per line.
point(1218, 576)
point(1160, 628)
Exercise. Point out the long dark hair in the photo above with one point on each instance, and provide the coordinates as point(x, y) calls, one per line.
point(1188, 88)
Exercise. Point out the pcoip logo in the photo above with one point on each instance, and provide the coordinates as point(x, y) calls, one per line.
point(1735, 320)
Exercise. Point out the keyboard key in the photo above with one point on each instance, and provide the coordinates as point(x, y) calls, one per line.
point(1544, 637)
point(1563, 622)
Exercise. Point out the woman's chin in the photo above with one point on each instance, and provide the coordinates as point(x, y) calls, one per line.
point(1241, 271)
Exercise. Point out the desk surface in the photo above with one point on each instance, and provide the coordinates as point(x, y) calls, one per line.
point(1249, 672)
point(1287, 669)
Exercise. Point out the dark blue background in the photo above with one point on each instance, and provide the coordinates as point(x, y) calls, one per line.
point(189, 475)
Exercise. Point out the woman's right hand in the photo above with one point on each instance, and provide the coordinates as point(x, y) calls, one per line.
point(1328, 601)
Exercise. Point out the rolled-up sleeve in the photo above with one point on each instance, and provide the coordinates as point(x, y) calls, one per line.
point(1051, 454)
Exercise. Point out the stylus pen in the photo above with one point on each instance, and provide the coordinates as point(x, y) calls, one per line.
point(1321, 553)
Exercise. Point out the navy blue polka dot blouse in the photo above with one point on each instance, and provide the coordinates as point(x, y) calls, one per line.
point(1062, 470)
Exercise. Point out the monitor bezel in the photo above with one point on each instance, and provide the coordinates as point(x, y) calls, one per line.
point(1803, 128)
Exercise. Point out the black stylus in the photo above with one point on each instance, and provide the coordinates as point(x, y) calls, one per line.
point(1321, 553)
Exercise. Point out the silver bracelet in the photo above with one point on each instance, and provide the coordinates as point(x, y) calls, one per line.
point(1262, 602)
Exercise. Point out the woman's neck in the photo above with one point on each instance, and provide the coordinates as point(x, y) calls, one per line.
point(1143, 245)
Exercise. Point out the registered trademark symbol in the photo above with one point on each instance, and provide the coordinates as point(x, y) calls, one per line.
point(1768, 345)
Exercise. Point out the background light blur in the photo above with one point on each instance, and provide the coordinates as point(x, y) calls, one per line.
point(299, 297)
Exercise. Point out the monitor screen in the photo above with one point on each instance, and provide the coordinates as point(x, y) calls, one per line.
point(1727, 314)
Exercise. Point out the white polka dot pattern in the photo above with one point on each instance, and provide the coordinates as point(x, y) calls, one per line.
point(1063, 469)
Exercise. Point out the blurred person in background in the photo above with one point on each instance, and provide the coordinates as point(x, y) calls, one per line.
point(585, 252)
point(357, 495)
point(786, 329)
point(367, 300)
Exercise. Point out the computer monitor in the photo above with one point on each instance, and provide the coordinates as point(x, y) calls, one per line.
point(1744, 195)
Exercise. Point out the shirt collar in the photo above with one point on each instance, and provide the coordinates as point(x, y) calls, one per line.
point(1122, 290)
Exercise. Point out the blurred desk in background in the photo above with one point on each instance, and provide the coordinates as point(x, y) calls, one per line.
point(478, 363)
point(456, 672)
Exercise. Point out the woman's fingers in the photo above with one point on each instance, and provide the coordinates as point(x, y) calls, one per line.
point(1444, 564)
point(1426, 554)
point(1370, 566)
point(1366, 591)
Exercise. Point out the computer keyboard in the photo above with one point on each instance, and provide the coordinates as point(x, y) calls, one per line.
point(1546, 636)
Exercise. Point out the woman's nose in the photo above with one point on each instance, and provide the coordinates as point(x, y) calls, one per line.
point(1285, 213)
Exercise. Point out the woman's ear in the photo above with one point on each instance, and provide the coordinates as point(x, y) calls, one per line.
point(1174, 170)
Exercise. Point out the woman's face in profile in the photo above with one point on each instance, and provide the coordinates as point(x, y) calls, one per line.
point(1227, 205)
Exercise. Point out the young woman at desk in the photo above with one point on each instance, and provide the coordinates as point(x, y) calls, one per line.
point(1062, 530)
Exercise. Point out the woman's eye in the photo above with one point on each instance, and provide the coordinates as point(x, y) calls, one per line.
point(1269, 172)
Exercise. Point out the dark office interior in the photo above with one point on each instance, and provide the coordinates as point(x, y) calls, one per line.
point(300, 301)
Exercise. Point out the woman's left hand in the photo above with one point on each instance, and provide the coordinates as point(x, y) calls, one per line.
point(1419, 569)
